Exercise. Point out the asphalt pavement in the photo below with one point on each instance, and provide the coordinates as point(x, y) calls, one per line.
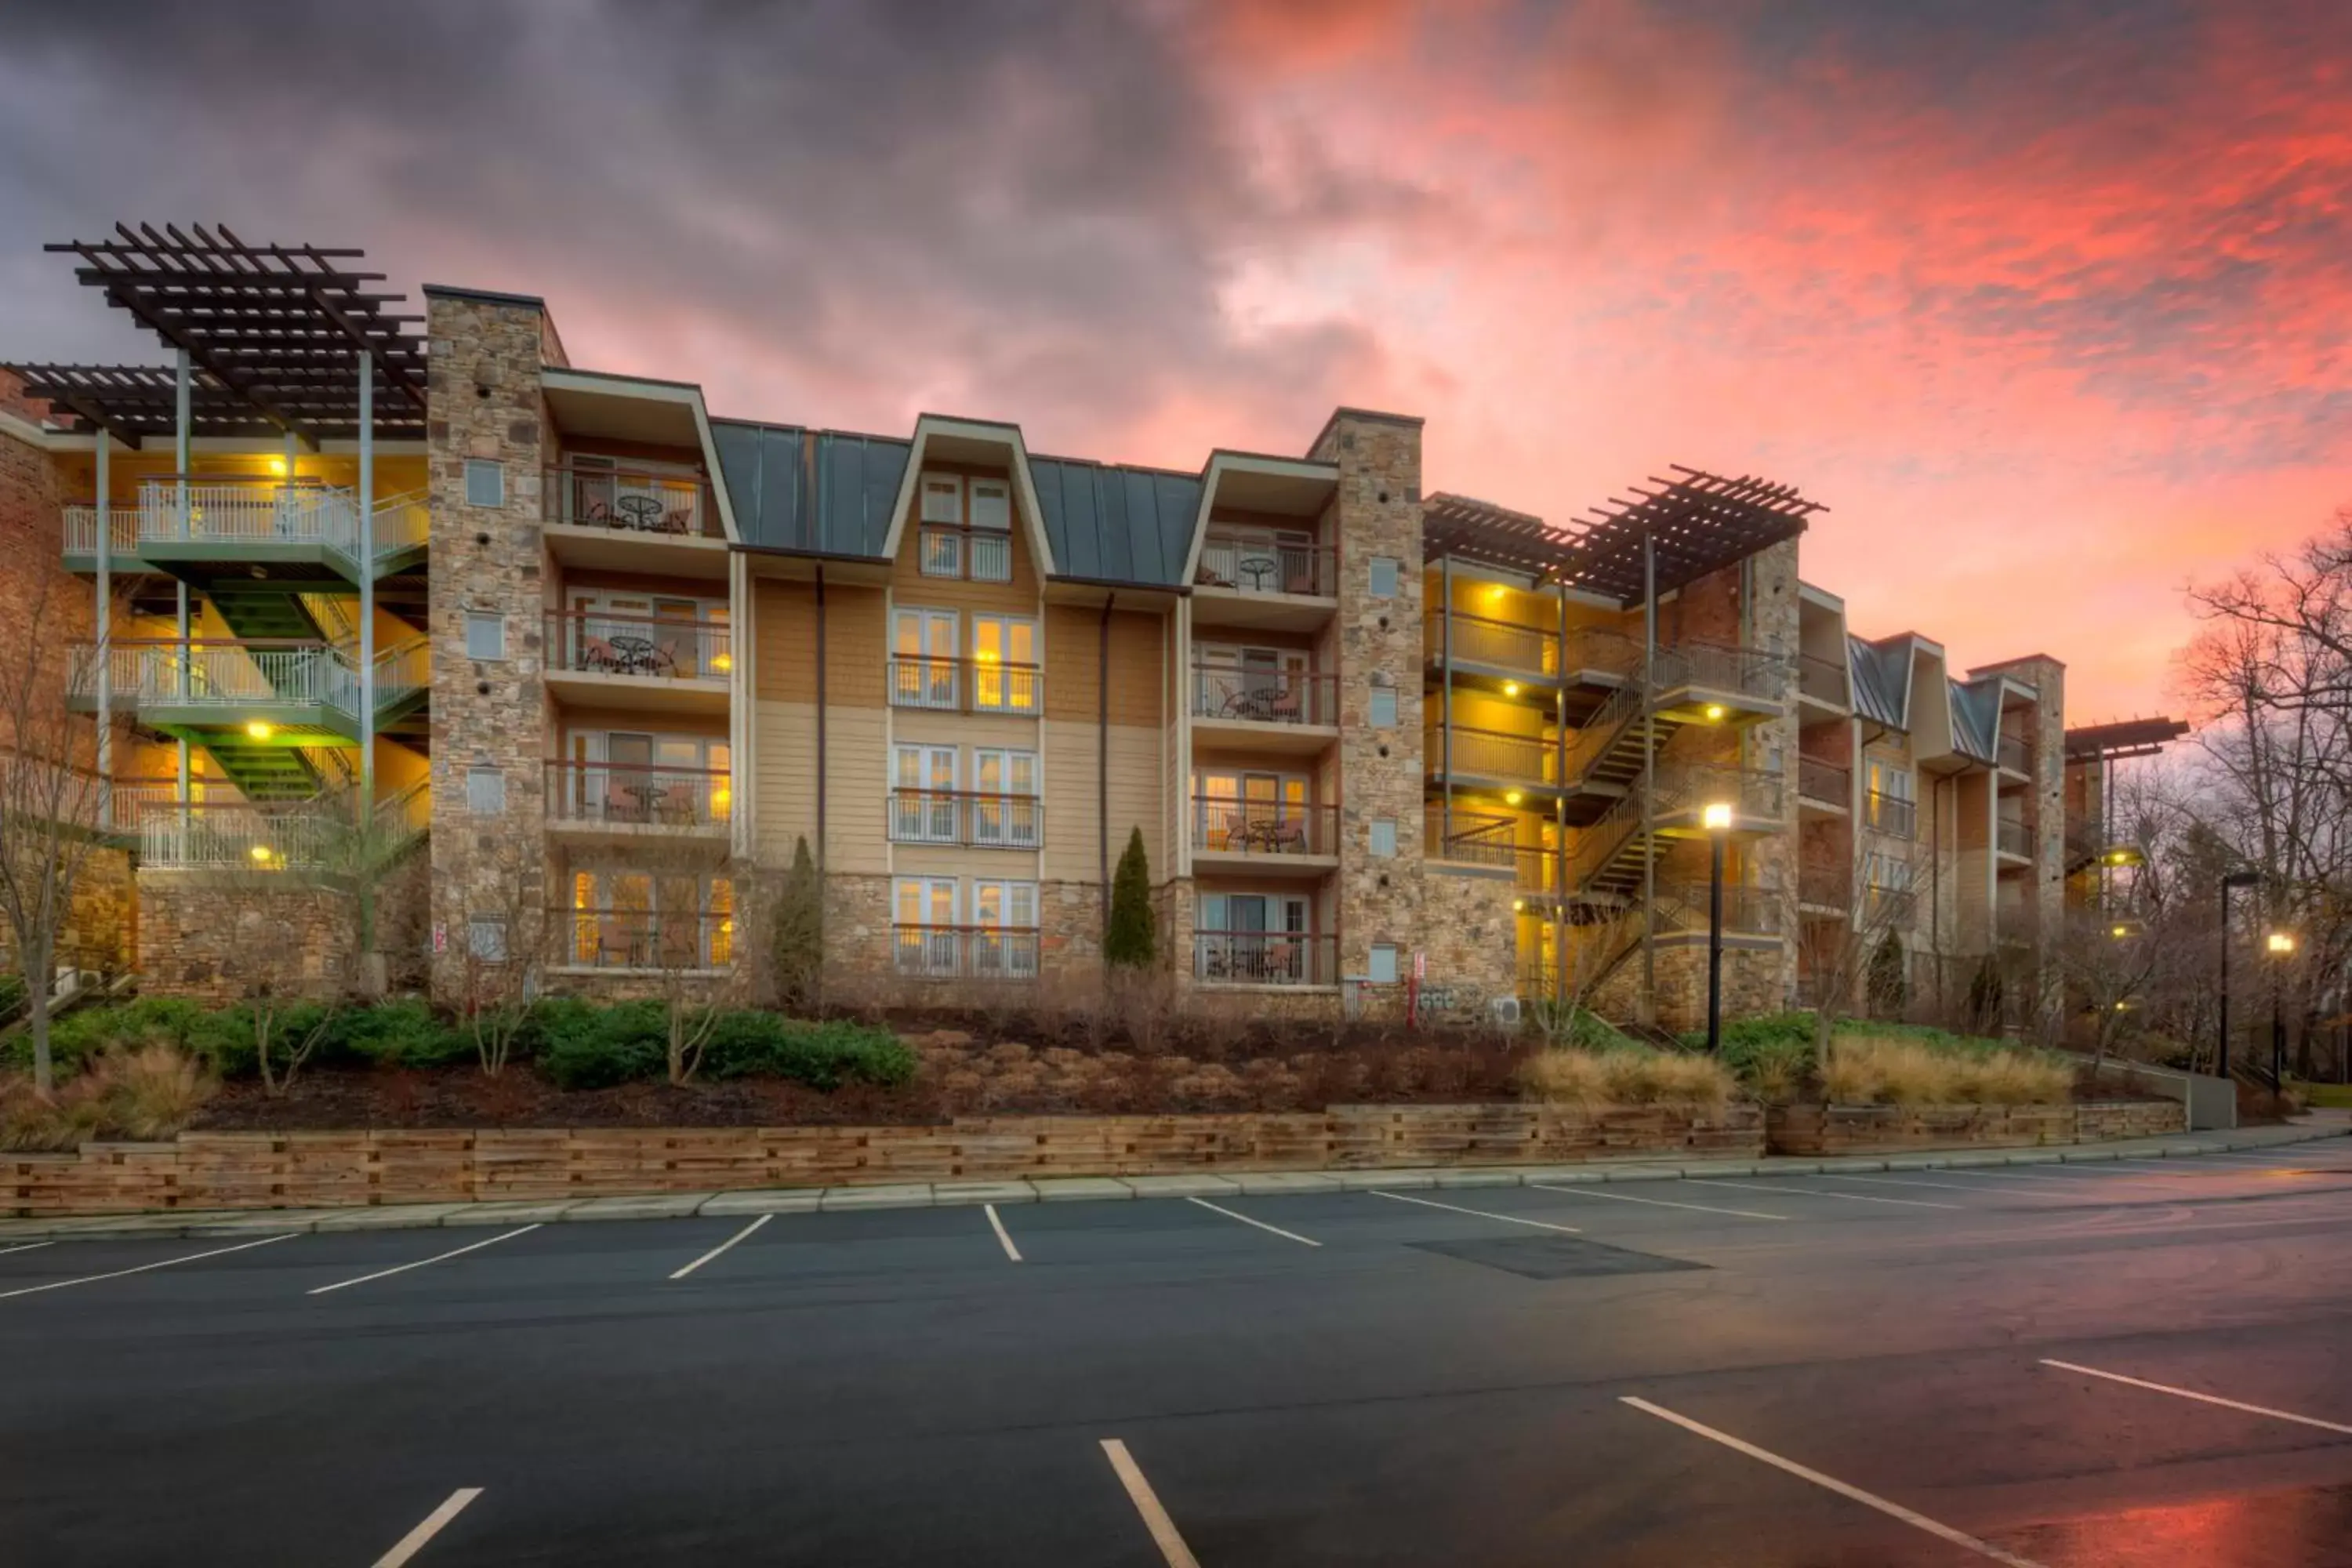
point(2119, 1365)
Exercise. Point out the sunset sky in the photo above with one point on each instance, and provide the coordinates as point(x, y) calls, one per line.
point(2048, 303)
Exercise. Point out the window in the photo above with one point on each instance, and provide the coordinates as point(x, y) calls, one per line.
point(485, 938)
point(1004, 944)
point(1888, 802)
point(1254, 938)
point(485, 791)
point(941, 554)
point(1383, 837)
point(1381, 577)
point(923, 658)
point(923, 806)
point(1242, 811)
point(486, 482)
point(485, 635)
point(671, 781)
point(1383, 713)
point(1004, 799)
point(1383, 964)
point(1005, 665)
point(943, 500)
point(992, 522)
point(629, 920)
point(923, 912)
point(992, 504)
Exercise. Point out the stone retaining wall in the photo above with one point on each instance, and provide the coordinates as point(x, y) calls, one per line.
point(304, 1169)
point(1891, 1129)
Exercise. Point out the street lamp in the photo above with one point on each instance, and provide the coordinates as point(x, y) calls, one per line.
point(2282, 948)
point(2233, 879)
point(1717, 819)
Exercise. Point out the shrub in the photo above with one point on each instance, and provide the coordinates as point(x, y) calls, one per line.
point(799, 933)
point(152, 1093)
point(824, 1056)
point(584, 1047)
point(406, 1033)
point(1129, 940)
point(1593, 1080)
point(228, 1041)
point(1566, 1078)
point(1904, 1068)
point(79, 1035)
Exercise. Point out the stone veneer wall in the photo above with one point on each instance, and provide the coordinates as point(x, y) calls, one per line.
point(214, 936)
point(486, 402)
point(1470, 931)
point(1889, 1129)
point(857, 923)
point(1378, 513)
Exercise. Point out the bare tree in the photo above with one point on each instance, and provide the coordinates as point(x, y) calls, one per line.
point(1834, 956)
point(502, 958)
point(707, 941)
point(52, 802)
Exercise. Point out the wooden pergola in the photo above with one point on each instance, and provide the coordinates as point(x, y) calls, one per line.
point(274, 337)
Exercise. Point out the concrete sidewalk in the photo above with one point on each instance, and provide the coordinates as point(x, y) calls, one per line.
point(1085, 1189)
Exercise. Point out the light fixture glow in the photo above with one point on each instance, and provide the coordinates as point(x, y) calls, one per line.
point(2280, 943)
point(2119, 930)
point(258, 730)
point(1512, 797)
point(721, 662)
point(260, 852)
point(1714, 712)
point(1495, 594)
point(278, 467)
point(1510, 688)
point(1716, 816)
point(1518, 904)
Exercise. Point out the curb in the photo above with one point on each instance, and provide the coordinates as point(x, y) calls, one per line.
point(1081, 1189)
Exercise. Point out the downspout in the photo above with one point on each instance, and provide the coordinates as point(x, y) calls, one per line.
point(1445, 709)
point(1102, 763)
point(1559, 816)
point(820, 719)
point(105, 639)
point(1649, 777)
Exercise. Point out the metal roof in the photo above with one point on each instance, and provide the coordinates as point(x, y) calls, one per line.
point(817, 492)
point(1976, 718)
point(1882, 680)
point(1111, 524)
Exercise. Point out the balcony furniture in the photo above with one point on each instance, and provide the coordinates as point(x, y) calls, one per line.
point(633, 654)
point(1282, 705)
point(1258, 569)
point(643, 513)
point(1209, 577)
point(679, 519)
point(597, 654)
point(647, 797)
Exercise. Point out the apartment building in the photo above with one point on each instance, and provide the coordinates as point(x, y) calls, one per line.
point(589, 662)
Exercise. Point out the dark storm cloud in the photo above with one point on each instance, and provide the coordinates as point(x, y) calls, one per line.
point(1024, 209)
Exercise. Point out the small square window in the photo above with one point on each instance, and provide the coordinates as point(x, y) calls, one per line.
point(1384, 964)
point(1383, 834)
point(485, 635)
point(485, 938)
point(486, 482)
point(1384, 708)
point(485, 791)
point(1381, 577)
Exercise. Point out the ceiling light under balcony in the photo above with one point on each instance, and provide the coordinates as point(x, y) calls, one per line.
point(1510, 688)
point(1512, 797)
point(1518, 904)
point(278, 467)
point(1715, 713)
point(721, 663)
point(259, 730)
point(260, 853)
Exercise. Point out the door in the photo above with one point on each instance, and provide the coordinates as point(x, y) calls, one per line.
point(677, 637)
point(1004, 661)
point(922, 809)
point(923, 666)
point(1004, 792)
point(622, 790)
point(924, 914)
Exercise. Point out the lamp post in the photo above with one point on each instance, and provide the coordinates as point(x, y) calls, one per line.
point(2232, 880)
point(1717, 820)
point(2282, 948)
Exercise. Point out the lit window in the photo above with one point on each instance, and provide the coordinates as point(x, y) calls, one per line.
point(1383, 836)
point(1004, 664)
point(1383, 969)
point(485, 635)
point(486, 482)
point(485, 791)
point(1383, 714)
point(1381, 577)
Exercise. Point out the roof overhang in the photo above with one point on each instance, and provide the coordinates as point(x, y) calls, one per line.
point(630, 408)
point(2123, 738)
point(1252, 481)
point(939, 437)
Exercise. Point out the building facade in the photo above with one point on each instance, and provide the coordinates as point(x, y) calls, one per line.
point(582, 666)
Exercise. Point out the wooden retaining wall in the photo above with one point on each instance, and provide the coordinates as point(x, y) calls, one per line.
point(309, 1169)
point(1898, 1129)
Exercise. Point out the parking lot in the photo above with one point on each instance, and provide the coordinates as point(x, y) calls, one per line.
point(2119, 1365)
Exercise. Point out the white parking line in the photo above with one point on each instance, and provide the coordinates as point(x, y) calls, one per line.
point(1904, 1182)
point(1274, 1229)
point(1830, 1483)
point(1147, 1503)
point(409, 1545)
point(2011, 1176)
point(166, 1263)
point(436, 1258)
point(28, 1247)
point(997, 1224)
point(1482, 1214)
point(1819, 1193)
point(723, 1247)
point(1655, 1202)
point(2202, 1398)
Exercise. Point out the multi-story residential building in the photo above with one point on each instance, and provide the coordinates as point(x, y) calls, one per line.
point(564, 630)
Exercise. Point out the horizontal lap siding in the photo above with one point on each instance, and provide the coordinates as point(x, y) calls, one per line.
point(1071, 820)
point(786, 778)
point(856, 779)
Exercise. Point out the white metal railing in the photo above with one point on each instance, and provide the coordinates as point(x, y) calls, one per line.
point(402, 672)
point(402, 816)
point(122, 530)
point(227, 512)
point(401, 522)
point(242, 838)
point(236, 674)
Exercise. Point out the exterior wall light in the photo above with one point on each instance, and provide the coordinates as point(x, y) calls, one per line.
point(260, 853)
point(258, 730)
point(1512, 797)
point(1510, 688)
point(1715, 713)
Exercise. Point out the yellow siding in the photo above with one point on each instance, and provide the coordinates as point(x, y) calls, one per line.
point(909, 725)
point(786, 779)
point(964, 863)
point(858, 782)
point(1073, 849)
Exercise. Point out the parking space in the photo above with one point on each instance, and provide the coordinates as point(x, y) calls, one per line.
point(2032, 1363)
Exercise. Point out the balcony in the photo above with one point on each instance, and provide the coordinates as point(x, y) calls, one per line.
point(1272, 710)
point(260, 684)
point(1822, 680)
point(1265, 835)
point(1250, 577)
point(1478, 839)
point(968, 818)
point(978, 554)
point(1825, 888)
point(1757, 796)
point(700, 942)
point(226, 835)
point(1890, 814)
point(617, 519)
point(2013, 838)
point(1685, 908)
point(2012, 754)
point(964, 952)
point(966, 685)
point(1720, 682)
point(642, 663)
point(253, 523)
point(1265, 958)
point(1510, 648)
point(1491, 756)
point(634, 801)
point(1823, 787)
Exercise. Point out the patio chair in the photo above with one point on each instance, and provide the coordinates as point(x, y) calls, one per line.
point(622, 803)
point(595, 652)
point(1285, 834)
point(1282, 705)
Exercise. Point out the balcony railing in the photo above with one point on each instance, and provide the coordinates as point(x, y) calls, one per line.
point(964, 952)
point(239, 837)
point(245, 674)
point(2012, 754)
point(2012, 837)
point(1747, 908)
point(228, 509)
point(1260, 563)
point(981, 820)
point(662, 647)
point(1822, 679)
point(1890, 814)
point(1265, 696)
point(1751, 793)
point(1265, 958)
point(691, 941)
point(631, 500)
point(1826, 887)
point(1223, 825)
point(981, 554)
point(1824, 782)
point(1502, 644)
point(966, 685)
point(122, 529)
point(1492, 755)
point(638, 794)
point(1719, 667)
